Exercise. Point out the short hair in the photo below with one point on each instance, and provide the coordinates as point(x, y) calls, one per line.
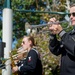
point(72, 5)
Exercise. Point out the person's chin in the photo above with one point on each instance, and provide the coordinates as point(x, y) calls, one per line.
point(73, 24)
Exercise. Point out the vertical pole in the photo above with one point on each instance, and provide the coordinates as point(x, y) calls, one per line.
point(7, 36)
point(7, 4)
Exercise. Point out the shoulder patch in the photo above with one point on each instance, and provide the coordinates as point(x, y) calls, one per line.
point(29, 59)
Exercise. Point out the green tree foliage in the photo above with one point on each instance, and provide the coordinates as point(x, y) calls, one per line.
point(33, 18)
point(19, 18)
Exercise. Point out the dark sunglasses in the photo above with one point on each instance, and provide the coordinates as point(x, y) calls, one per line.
point(23, 42)
point(73, 14)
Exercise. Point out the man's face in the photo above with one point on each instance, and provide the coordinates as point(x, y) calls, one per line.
point(72, 15)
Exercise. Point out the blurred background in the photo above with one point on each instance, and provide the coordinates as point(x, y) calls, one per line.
point(37, 12)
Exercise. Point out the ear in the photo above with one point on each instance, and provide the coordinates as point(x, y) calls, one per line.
point(30, 43)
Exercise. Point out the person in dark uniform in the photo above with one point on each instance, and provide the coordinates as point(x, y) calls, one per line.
point(32, 65)
point(65, 46)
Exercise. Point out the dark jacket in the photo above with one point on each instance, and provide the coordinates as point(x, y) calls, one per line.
point(32, 64)
point(65, 47)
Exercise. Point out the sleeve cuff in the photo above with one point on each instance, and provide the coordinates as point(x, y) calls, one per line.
point(62, 33)
point(52, 36)
point(18, 68)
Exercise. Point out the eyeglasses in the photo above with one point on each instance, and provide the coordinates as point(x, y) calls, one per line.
point(23, 42)
point(73, 14)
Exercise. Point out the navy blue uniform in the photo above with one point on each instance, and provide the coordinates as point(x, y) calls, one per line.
point(32, 64)
point(65, 47)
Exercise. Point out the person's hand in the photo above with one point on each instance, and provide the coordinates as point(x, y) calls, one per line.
point(14, 69)
point(20, 56)
point(55, 28)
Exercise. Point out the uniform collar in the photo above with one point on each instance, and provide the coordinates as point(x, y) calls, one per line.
point(73, 31)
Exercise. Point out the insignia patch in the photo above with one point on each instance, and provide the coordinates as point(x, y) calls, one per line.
point(29, 58)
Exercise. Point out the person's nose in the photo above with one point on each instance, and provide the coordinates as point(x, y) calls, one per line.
point(71, 16)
